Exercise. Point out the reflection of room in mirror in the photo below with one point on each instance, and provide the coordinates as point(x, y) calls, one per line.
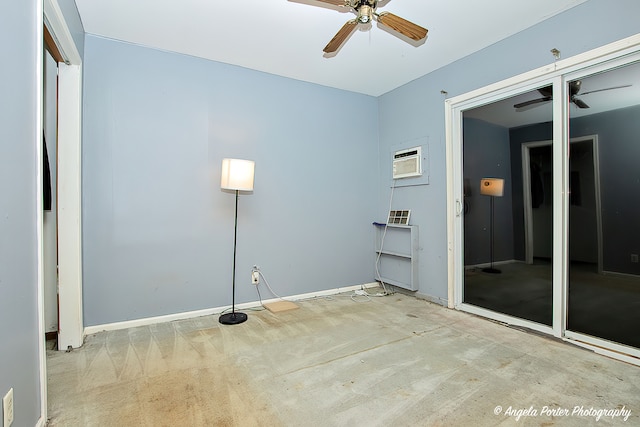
point(602, 91)
point(514, 138)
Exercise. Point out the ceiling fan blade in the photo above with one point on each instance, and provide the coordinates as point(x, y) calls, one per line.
point(579, 102)
point(602, 90)
point(335, 2)
point(401, 25)
point(341, 36)
point(546, 91)
point(532, 102)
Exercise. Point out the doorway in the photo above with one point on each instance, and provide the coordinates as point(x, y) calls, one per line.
point(585, 215)
point(50, 226)
point(69, 177)
point(567, 235)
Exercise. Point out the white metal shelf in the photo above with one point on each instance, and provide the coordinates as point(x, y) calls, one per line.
point(398, 256)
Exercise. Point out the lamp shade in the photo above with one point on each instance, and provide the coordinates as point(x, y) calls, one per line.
point(492, 187)
point(237, 174)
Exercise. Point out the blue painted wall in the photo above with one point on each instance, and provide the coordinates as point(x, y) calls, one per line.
point(486, 155)
point(157, 229)
point(416, 111)
point(19, 362)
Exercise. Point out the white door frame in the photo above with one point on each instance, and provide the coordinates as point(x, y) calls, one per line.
point(39, 80)
point(70, 326)
point(454, 112)
point(556, 73)
point(526, 197)
point(526, 185)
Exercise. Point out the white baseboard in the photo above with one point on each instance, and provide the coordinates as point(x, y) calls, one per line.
point(210, 311)
point(617, 273)
point(488, 264)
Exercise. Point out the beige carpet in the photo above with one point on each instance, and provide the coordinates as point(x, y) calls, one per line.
point(391, 361)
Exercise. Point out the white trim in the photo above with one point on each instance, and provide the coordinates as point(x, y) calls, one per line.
point(216, 310)
point(488, 264)
point(544, 73)
point(595, 146)
point(526, 193)
point(604, 347)
point(526, 183)
point(55, 22)
point(69, 206)
point(617, 273)
point(42, 352)
point(506, 319)
point(560, 213)
point(454, 205)
point(595, 151)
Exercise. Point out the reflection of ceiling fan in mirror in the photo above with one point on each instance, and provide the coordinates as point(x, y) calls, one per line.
point(574, 89)
point(366, 13)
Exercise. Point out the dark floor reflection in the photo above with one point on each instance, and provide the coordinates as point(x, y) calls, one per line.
point(605, 306)
point(521, 290)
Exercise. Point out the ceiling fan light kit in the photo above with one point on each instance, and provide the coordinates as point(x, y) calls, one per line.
point(366, 13)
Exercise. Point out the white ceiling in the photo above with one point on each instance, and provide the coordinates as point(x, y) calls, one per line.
point(286, 37)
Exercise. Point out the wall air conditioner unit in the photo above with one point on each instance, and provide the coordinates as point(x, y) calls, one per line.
point(407, 163)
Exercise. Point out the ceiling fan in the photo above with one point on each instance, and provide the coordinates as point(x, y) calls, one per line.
point(366, 13)
point(574, 89)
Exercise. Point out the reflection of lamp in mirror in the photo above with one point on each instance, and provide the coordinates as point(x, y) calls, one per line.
point(236, 175)
point(493, 187)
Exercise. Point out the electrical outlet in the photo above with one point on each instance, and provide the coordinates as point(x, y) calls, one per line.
point(255, 277)
point(7, 408)
point(634, 258)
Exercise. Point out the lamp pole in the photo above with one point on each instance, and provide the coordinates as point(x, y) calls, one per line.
point(233, 318)
point(237, 175)
point(491, 269)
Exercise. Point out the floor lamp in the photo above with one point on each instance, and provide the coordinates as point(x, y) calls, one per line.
point(492, 187)
point(237, 175)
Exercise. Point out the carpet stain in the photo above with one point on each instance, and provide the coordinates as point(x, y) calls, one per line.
point(195, 397)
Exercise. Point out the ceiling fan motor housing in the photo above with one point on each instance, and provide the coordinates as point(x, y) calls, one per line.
point(366, 13)
point(365, 9)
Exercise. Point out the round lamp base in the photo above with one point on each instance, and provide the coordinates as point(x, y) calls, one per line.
point(232, 318)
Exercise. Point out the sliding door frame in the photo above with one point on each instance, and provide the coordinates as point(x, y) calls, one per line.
point(599, 345)
point(557, 74)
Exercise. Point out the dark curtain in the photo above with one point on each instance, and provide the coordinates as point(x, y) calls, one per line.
point(537, 186)
point(46, 177)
